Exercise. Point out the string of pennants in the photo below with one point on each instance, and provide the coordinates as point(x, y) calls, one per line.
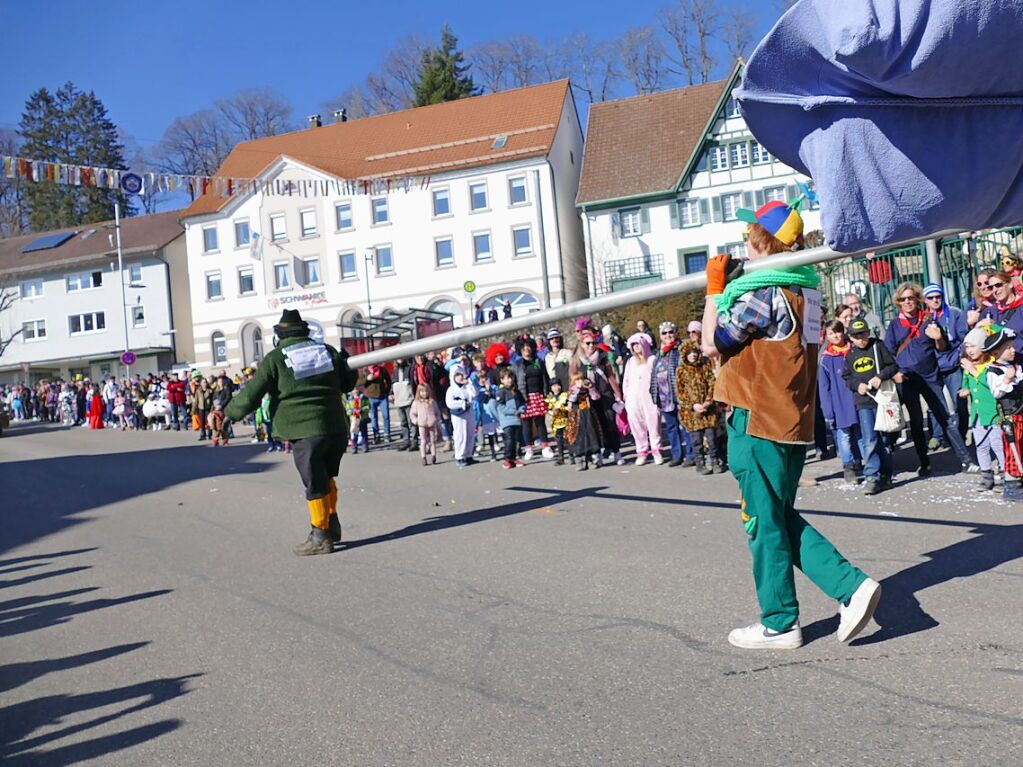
point(41, 171)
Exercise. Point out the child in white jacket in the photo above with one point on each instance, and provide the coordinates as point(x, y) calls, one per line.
point(459, 400)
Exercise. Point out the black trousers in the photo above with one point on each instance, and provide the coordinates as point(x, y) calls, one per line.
point(512, 438)
point(318, 459)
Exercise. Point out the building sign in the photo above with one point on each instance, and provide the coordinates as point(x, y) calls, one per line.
point(298, 299)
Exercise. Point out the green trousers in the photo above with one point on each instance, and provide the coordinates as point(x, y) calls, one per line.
point(779, 538)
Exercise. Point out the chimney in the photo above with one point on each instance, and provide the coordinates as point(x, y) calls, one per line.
point(341, 115)
point(314, 121)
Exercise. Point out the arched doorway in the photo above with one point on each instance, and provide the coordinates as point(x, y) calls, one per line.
point(521, 303)
point(347, 319)
point(218, 343)
point(448, 306)
point(252, 344)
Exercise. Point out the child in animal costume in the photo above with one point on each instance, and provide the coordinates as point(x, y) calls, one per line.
point(557, 407)
point(459, 400)
point(644, 416)
point(765, 327)
point(305, 380)
point(694, 388)
point(584, 426)
point(987, 437)
point(215, 422)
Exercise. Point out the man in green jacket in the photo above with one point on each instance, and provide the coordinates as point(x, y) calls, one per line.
point(305, 380)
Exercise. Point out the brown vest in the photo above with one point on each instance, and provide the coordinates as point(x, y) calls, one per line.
point(776, 381)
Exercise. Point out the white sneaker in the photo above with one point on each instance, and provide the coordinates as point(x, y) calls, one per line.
point(528, 455)
point(759, 637)
point(857, 614)
point(547, 453)
point(640, 460)
point(619, 460)
point(658, 459)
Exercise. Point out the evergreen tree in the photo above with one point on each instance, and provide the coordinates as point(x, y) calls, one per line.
point(443, 74)
point(70, 126)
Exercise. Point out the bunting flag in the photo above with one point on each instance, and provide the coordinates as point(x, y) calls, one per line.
point(45, 172)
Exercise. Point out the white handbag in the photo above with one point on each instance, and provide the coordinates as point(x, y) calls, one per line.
point(889, 409)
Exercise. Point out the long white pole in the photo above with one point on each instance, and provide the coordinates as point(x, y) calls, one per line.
point(120, 273)
point(603, 303)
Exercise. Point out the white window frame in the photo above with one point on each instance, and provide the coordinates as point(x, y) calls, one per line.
point(78, 277)
point(718, 158)
point(433, 202)
point(275, 234)
point(738, 154)
point(486, 197)
point(735, 249)
point(37, 283)
point(351, 216)
point(374, 201)
point(737, 197)
point(248, 228)
point(525, 191)
point(220, 281)
point(216, 236)
point(630, 223)
point(436, 252)
point(132, 270)
point(213, 347)
point(515, 249)
point(319, 270)
point(775, 193)
point(490, 247)
point(305, 231)
point(35, 337)
point(758, 154)
point(134, 322)
point(243, 270)
point(81, 318)
point(732, 108)
point(376, 259)
point(689, 207)
point(278, 287)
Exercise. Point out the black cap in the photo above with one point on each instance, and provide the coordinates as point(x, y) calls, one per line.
point(996, 339)
point(859, 326)
point(290, 322)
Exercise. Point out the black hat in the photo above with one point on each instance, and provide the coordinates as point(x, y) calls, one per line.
point(858, 326)
point(291, 323)
point(1000, 336)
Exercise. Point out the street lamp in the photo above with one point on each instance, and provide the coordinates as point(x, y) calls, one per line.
point(120, 274)
point(369, 257)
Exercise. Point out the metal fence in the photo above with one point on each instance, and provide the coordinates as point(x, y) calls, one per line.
point(962, 257)
point(626, 273)
point(873, 277)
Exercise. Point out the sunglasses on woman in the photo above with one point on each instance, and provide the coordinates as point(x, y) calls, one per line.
point(994, 285)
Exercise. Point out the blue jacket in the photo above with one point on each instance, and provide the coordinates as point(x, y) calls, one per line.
point(837, 400)
point(1012, 318)
point(953, 322)
point(672, 360)
point(920, 356)
point(509, 407)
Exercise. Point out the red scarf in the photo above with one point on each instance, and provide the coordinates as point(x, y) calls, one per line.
point(837, 351)
point(666, 348)
point(914, 330)
point(1014, 304)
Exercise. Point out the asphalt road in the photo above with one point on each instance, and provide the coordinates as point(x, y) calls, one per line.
point(151, 613)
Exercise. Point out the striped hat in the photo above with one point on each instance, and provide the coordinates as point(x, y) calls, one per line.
point(781, 220)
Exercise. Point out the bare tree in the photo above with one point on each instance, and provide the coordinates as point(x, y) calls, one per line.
point(255, 113)
point(642, 58)
point(402, 66)
point(556, 60)
point(737, 31)
point(596, 67)
point(7, 298)
point(705, 20)
point(13, 208)
point(353, 100)
point(491, 65)
point(195, 145)
point(676, 25)
point(524, 55)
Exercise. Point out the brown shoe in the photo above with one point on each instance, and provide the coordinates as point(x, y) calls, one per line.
point(318, 542)
point(334, 527)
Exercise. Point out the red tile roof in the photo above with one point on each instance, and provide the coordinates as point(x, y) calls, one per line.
point(640, 145)
point(422, 141)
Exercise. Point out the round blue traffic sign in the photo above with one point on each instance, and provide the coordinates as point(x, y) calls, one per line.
point(128, 358)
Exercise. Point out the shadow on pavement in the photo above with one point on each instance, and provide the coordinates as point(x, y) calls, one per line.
point(46, 495)
point(16, 674)
point(899, 612)
point(19, 721)
point(37, 616)
point(548, 497)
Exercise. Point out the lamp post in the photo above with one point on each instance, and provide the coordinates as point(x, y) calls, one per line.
point(369, 304)
point(120, 274)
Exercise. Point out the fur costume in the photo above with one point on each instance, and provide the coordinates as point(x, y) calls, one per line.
point(694, 384)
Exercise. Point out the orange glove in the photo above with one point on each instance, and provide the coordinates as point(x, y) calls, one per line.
point(717, 274)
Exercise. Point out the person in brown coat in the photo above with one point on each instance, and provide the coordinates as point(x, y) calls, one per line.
point(694, 389)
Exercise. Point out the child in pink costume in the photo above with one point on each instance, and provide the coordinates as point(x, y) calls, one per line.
point(644, 418)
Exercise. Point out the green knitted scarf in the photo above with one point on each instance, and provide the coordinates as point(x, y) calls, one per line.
point(803, 276)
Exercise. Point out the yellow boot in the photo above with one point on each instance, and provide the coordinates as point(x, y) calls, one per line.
point(319, 541)
point(333, 523)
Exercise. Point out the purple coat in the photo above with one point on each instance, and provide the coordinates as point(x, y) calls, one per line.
point(836, 397)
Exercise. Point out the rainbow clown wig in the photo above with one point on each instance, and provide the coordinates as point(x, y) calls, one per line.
point(780, 220)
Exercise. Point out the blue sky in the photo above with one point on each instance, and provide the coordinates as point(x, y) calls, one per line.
point(150, 62)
